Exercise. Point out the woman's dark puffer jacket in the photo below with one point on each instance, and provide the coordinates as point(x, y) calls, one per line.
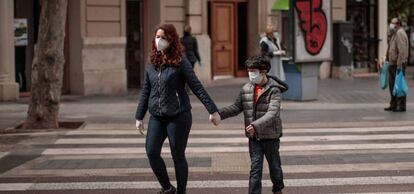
point(164, 94)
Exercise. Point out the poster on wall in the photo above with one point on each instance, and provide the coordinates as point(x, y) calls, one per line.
point(20, 32)
point(312, 30)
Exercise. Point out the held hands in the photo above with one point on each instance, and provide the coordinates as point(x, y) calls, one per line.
point(140, 126)
point(215, 118)
point(250, 129)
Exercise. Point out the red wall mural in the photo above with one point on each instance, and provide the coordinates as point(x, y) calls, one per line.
point(313, 23)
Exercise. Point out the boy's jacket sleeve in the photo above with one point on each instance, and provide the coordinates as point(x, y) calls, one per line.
point(232, 110)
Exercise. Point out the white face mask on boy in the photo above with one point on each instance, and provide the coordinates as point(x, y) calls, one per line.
point(161, 44)
point(255, 77)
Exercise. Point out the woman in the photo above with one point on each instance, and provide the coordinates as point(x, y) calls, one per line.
point(270, 46)
point(163, 94)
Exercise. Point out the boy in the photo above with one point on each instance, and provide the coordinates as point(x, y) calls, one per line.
point(260, 100)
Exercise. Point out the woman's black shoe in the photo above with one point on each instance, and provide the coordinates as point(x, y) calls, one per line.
point(389, 108)
point(171, 190)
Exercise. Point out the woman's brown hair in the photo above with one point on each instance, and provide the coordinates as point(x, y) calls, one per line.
point(173, 53)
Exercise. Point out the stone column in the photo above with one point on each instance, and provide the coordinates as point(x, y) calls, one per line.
point(382, 27)
point(9, 89)
point(197, 18)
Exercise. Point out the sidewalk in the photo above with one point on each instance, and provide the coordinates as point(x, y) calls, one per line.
point(341, 103)
point(333, 145)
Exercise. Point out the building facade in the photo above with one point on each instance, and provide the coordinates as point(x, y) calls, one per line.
point(107, 42)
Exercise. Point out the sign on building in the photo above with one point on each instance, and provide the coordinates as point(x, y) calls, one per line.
point(20, 32)
point(312, 30)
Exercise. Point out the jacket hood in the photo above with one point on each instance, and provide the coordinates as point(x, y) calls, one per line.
point(279, 83)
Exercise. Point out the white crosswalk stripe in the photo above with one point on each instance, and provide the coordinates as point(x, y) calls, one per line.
point(236, 139)
point(207, 184)
point(2, 154)
point(326, 149)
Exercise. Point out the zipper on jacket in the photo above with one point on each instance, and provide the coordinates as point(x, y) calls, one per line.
point(178, 99)
point(159, 91)
point(255, 108)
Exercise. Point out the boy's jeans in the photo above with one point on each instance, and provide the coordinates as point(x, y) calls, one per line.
point(258, 149)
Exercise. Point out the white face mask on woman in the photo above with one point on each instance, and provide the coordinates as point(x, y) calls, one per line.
point(392, 28)
point(161, 44)
point(255, 76)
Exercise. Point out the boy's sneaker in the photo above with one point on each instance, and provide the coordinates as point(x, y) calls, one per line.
point(278, 192)
point(171, 190)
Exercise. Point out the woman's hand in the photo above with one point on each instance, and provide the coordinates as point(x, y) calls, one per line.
point(215, 118)
point(140, 126)
point(279, 52)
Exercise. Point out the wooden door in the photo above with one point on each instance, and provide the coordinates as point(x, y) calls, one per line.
point(222, 26)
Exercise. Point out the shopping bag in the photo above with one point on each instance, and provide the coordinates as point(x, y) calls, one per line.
point(383, 75)
point(400, 85)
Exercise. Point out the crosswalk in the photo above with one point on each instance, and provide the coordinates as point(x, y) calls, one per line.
point(321, 160)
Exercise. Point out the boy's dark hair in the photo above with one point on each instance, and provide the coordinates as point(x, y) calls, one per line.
point(258, 62)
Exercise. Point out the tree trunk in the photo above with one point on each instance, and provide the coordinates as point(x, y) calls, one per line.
point(47, 67)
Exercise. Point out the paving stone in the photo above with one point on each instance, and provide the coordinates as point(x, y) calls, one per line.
point(114, 163)
point(11, 161)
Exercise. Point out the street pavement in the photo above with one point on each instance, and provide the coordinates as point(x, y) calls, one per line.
point(342, 143)
point(105, 158)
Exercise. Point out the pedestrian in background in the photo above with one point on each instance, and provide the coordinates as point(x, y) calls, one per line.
point(190, 46)
point(190, 49)
point(260, 101)
point(271, 47)
point(163, 94)
point(397, 56)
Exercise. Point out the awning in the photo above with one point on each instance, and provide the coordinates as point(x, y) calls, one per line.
point(281, 5)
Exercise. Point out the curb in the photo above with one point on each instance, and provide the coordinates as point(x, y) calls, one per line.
point(349, 124)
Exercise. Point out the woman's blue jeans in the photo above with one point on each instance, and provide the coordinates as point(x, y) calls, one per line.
point(177, 129)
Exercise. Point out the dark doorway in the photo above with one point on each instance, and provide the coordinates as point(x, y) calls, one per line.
point(28, 12)
point(134, 51)
point(364, 15)
point(242, 30)
point(24, 54)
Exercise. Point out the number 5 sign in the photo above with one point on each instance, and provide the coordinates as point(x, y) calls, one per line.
point(312, 30)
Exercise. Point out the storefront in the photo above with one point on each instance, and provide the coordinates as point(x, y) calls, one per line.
point(364, 16)
point(369, 30)
point(107, 43)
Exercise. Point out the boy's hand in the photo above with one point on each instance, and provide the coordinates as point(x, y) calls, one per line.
point(250, 129)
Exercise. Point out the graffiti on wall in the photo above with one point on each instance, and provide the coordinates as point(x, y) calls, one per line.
point(313, 30)
point(313, 24)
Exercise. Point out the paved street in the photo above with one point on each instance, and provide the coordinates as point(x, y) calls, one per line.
point(342, 143)
point(111, 159)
